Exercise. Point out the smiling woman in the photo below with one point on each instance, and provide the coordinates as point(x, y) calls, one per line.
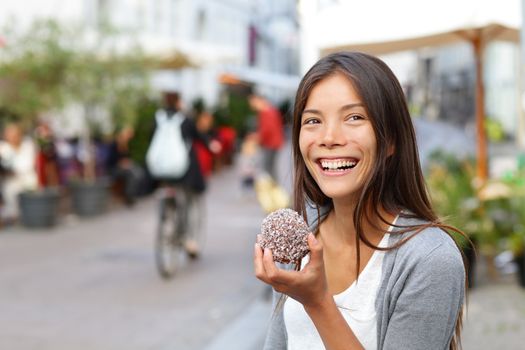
point(336, 139)
point(383, 271)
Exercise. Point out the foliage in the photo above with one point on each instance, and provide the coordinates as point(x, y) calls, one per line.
point(515, 202)
point(49, 66)
point(452, 192)
point(235, 113)
point(492, 214)
point(494, 128)
point(101, 78)
point(33, 67)
point(144, 124)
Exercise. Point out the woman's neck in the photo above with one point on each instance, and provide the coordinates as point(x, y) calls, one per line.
point(341, 222)
point(342, 226)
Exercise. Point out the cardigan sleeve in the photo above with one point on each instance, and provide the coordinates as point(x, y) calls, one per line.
point(427, 301)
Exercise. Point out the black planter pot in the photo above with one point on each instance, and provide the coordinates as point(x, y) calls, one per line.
point(520, 261)
point(39, 209)
point(90, 198)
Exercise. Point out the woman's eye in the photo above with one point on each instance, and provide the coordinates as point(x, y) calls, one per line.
point(310, 121)
point(353, 117)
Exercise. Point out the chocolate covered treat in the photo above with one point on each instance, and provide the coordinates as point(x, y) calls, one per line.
point(285, 233)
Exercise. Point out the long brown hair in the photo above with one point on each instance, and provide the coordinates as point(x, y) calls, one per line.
point(396, 180)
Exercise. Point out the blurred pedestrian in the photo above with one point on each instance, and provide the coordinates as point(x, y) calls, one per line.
point(204, 125)
point(124, 172)
point(383, 271)
point(46, 159)
point(69, 165)
point(3, 173)
point(190, 181)
point(247, 161)
point(270, 132)
point(18, 156)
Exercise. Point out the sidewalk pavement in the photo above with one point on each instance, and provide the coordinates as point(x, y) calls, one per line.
point(247, 332)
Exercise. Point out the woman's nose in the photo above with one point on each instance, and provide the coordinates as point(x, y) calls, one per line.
point(332, 135)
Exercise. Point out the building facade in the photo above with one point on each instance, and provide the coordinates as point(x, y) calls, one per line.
point(256, 40)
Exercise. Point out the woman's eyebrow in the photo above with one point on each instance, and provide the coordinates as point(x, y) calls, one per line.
point(351, 106)
point(343, 108)
point(313, 111)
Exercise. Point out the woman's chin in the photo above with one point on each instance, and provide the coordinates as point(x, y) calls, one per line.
point(338, 193)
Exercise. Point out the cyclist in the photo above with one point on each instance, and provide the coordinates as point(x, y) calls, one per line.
point(192, 183)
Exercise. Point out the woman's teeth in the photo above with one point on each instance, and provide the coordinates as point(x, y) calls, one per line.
point(338, 165)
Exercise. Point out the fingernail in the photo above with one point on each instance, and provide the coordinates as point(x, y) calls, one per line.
point(266, 251)
point(314, 240)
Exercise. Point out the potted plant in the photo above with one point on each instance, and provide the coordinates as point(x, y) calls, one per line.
point(492, 214)
point(103, 80)
point(31, 74)
point(450, 182)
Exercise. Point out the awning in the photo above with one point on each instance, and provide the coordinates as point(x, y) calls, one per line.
point(247, 75)
point(489, 31)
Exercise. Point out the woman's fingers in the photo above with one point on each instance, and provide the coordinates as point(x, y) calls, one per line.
point(258, 263)
point(267, 271)
point(275, 275)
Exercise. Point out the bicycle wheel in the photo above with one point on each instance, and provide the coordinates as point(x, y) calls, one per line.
point(195, 236)
point(168, 247)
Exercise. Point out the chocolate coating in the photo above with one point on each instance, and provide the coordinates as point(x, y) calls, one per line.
point(285, 233)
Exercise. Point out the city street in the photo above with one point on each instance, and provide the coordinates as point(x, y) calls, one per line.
point(92, 284)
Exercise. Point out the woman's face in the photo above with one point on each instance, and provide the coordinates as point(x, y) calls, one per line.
point(336, 139)
point(13, 135)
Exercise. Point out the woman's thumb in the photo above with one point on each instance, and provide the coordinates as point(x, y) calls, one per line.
point(316, 248)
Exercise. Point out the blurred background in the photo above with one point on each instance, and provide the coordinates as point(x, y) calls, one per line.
point(81, 80)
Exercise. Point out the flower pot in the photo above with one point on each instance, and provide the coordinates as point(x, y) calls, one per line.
point(39, 209)
point(90, 198)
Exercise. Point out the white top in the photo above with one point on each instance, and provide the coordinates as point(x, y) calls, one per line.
point(355, 303)
point(21, 161)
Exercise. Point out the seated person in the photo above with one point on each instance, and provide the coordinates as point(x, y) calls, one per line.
point(18, 160)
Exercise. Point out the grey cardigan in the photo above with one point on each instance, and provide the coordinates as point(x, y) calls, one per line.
point(419, 298)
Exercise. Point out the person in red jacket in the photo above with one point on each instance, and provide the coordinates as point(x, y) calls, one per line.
point(270, 131)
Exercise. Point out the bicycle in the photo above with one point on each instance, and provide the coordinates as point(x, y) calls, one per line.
point(179, 229)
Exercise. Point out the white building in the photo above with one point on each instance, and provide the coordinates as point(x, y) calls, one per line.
point(254, 39)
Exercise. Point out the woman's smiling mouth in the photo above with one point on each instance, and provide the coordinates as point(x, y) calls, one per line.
point(337, 165)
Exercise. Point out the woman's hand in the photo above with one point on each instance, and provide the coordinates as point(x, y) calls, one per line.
point(308, 286)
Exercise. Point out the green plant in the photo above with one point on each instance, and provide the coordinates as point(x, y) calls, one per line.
point(515, 204)
point(455, 193)
point(144, 125)
point(235, 111)
point(50, 66)
point(33, 67)
point(450, 183)
point(106, 81)
point(492, 214)
point(495, 131)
